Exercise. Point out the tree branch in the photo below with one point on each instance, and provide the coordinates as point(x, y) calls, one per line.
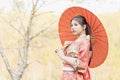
point(12, 26)
point(41, 31)
point(19, 57)
point(6, 60)
point(21, 67)
point(19, 11)
point(26, 42)
point(38, 14)
point(17, 5)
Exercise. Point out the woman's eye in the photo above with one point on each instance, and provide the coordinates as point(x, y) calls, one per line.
point(75, 24)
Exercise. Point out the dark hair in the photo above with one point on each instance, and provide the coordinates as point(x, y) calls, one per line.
point(82, 21)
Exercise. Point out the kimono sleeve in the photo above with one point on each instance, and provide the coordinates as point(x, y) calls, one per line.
point(81, 62)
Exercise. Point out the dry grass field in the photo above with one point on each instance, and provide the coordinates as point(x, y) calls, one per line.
point(44, 64)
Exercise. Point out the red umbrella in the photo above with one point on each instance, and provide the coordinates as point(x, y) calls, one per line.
point(98, 34)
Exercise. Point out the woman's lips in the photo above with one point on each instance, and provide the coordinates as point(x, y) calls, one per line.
point(73, 31)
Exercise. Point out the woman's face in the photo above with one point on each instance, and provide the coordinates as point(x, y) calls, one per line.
point(76, 28)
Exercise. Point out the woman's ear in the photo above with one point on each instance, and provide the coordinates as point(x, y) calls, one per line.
point(84, 26)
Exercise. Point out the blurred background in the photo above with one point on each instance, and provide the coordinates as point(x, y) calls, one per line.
point(42, 62)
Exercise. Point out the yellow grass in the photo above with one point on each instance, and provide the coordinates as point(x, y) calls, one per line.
point(44, 64)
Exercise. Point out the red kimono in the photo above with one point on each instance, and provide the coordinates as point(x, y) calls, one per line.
point(79, 52)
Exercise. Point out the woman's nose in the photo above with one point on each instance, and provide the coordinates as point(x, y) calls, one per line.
point(72, 27)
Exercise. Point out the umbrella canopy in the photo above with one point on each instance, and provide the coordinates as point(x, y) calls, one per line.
point(98, 35)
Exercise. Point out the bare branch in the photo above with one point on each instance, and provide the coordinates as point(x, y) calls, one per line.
point(22, 25)
point(34, 7)
point(32, 3)
point(19, 11)
point(37, 34)
point(5, 60)
point(12, 26)
point(26, 42)
point(43, 2)
point(38, 14)
point(41, 31)
point(19, 57)
point(22, 64)
point(17, 5)
point(33, 11)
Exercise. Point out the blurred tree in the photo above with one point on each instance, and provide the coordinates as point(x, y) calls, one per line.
point(19, 5)
point(25, 32)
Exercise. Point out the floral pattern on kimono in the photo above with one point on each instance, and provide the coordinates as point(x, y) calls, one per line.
point(78, 50)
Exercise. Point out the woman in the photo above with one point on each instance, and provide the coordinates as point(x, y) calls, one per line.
point(75, 54)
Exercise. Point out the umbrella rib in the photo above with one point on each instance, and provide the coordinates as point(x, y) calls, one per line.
point(100, 39)
point(64, 25)
point(93, 29)
point(66, 20)
point(99, 36)
point(72, 11)
point(96, 39)
point(95, 52)
point(68, 15)
point(100, 44)
point(99, 31)
point(96, 48)
point(100, 50)
point(94, 21)
point(102, 47)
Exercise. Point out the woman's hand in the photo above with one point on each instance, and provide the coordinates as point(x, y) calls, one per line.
point(66, 44)
point(60, 52)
